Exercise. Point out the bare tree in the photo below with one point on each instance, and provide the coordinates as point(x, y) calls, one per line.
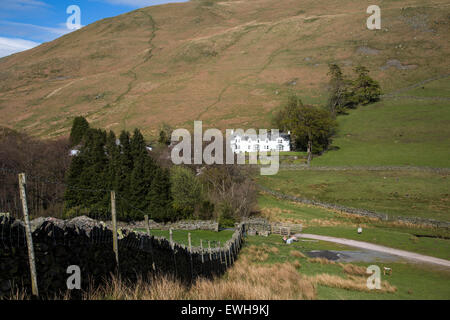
point(44, 162)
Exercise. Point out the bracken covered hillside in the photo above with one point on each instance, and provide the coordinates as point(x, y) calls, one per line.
point(229, 63)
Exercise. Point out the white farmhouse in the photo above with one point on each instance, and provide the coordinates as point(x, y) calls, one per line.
point(247, 143)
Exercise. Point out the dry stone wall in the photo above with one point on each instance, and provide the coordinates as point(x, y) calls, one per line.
point(360, 212)
point(180, 225)
point(87, 243)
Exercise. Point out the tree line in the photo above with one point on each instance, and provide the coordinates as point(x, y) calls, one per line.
point(64, 186)
point(146, 183)
point(107, 162)
point(45, 164)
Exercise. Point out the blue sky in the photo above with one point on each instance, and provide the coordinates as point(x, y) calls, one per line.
point(25, 24)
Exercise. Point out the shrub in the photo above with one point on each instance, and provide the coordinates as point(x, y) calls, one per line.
point(186, 190)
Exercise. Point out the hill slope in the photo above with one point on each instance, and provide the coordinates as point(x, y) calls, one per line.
point(411, 129)
point(229, 63)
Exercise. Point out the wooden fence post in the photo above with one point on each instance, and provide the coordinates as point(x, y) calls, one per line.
point(225, 258)
point(114, 226)
point(220, 253)
point(209, 249)
point(147, 224)
point(190, 256)
point(170, 237)
point(26, 218)
point(201, 248)
point(189, 242)
point(231, 256)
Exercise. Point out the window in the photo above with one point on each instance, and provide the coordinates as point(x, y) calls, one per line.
point(280, 147)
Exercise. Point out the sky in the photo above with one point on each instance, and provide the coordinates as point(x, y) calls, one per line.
point(25, 24)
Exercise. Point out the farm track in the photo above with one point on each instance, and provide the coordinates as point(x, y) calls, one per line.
point(375, 247)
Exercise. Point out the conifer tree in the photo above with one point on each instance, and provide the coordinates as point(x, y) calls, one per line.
point(140, 179)
point(365, 89)
point(106, 163)
point(124, 165)
point(159, 196)
point(113, 153)
point(339, 95)
point(79, 127)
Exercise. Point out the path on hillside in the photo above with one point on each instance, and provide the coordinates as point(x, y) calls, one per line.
point(415, 85)
point(375, 247)
point(133, 70)
point(417, 98)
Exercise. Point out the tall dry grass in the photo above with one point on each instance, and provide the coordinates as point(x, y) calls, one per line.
point(297, 254)
point(244, 281)
point(255, 282)
point(352, 269)
point(257, 253)
point(157, 288)
point(356, 283)
point(321, 260)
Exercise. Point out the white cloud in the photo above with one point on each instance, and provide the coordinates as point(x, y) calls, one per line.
point(22, 8)
point(32, 31)
point(22, 4)
point(12, 45)
point(57, 31)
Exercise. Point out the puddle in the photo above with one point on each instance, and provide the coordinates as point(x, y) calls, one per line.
point(354, 256)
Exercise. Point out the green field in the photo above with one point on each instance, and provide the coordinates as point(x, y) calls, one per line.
point(181, 236)
point(427, 241)
point(438, 88)
point(412, 130)
point(392, 132)
point(390, 237)
point(412, 281)
point(397, 193)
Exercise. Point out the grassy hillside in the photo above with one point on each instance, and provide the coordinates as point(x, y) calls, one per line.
point(401, 193)
point(268, 269)
point(229, 63)
point(398, 131)
point(411, 281)
point(427, 241)
point(409, 128)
